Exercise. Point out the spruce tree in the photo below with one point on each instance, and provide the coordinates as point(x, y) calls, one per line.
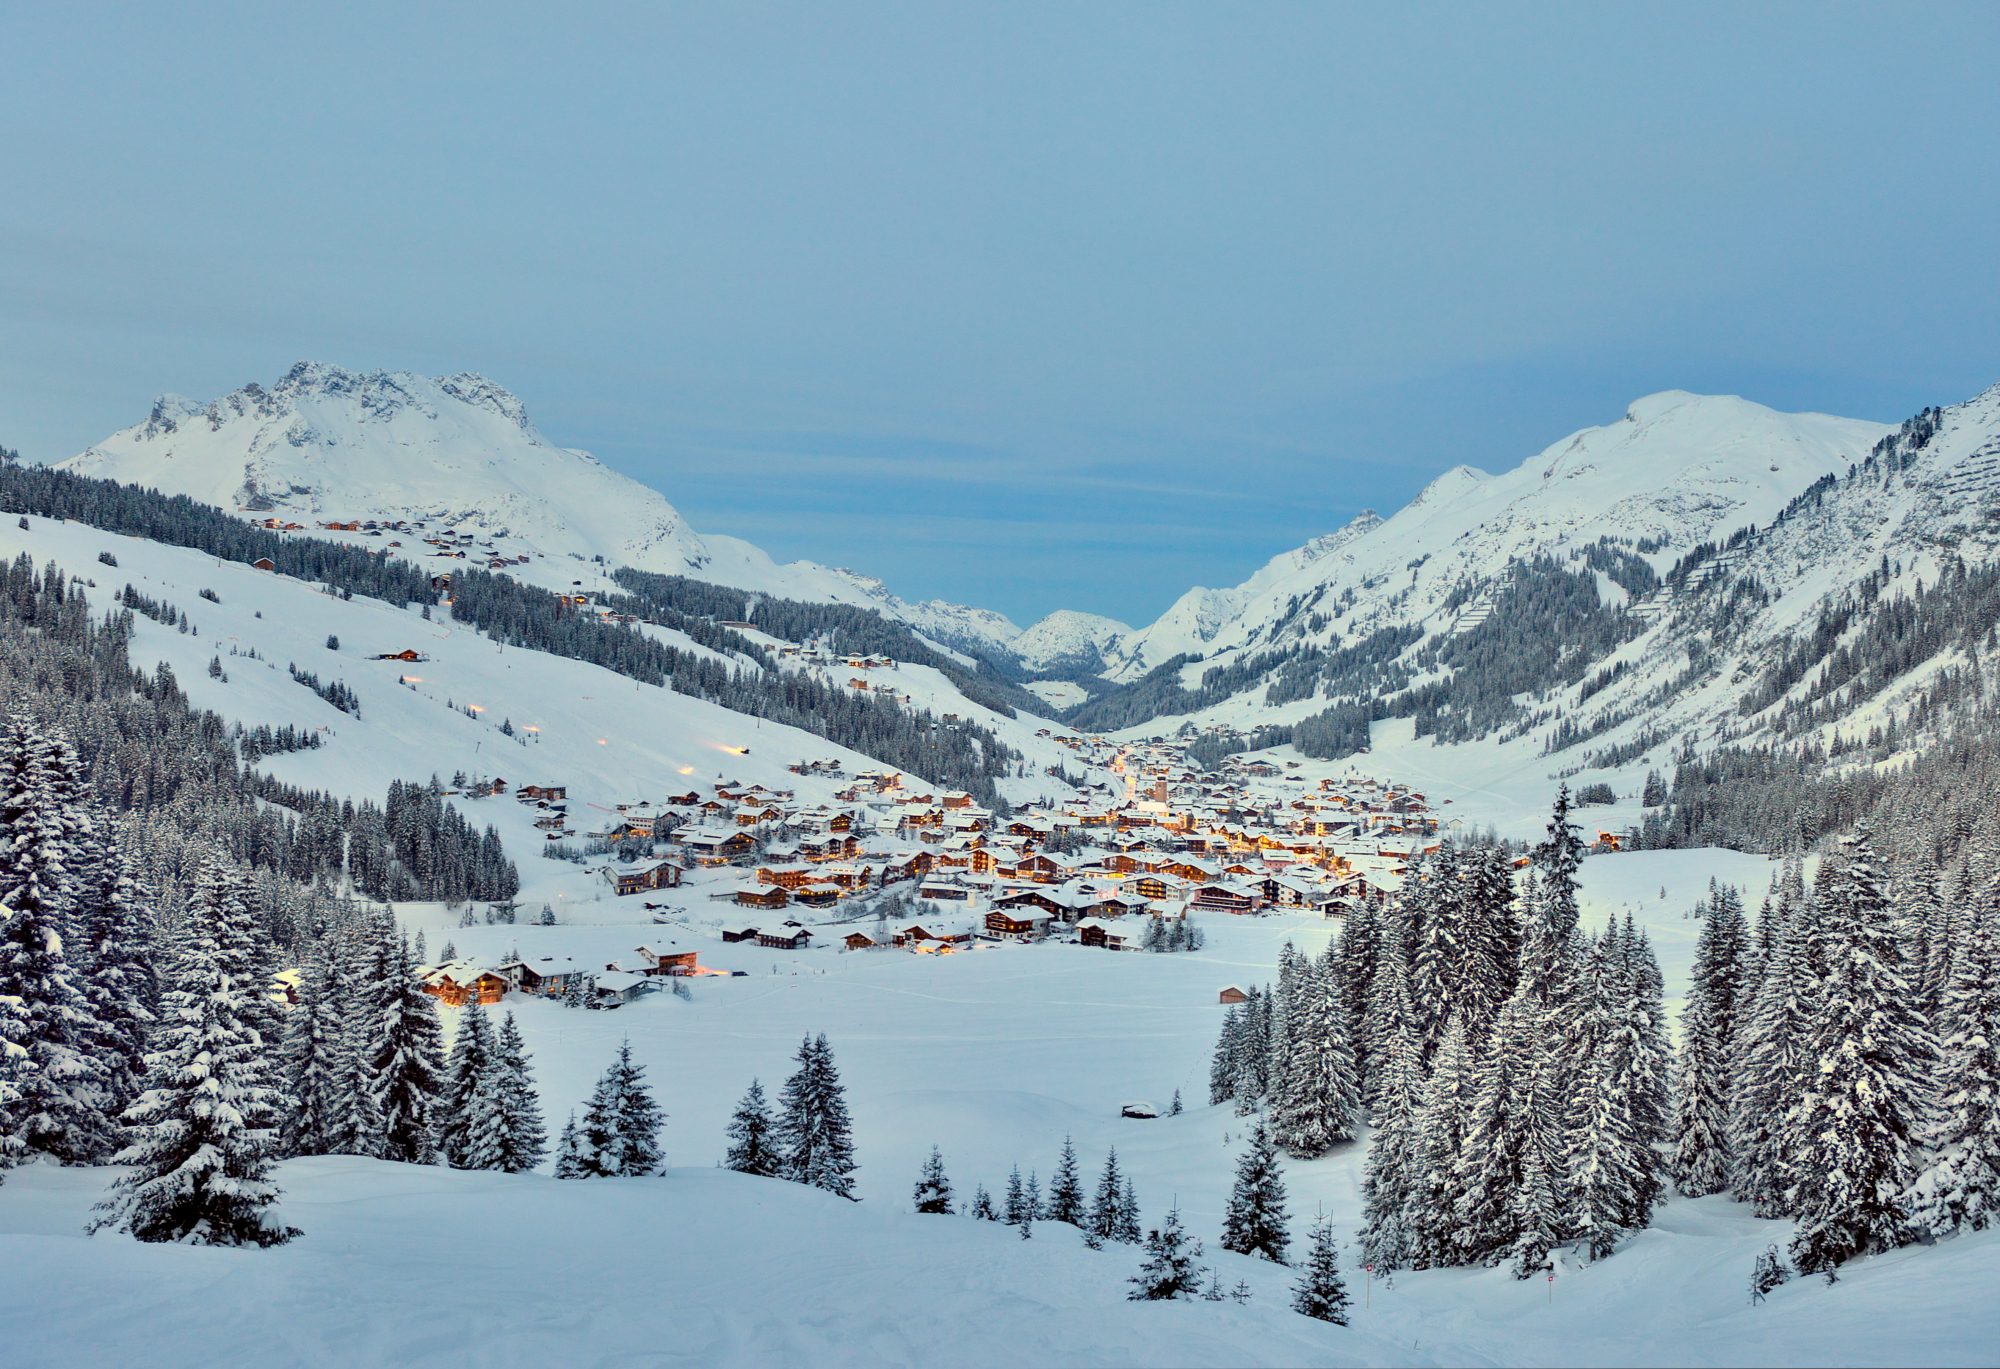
point(1128, 1229)
point(933, 1191)
point(1391, 1176)
point(59, 1089)
point(117, 948)
point(1359, 947)
point(523, 1138)
point(1967, 1184)
point(1104, 1222)
point(753, 1147)
point(1222, 1067)
point(1318, 1106)
point(1171, 1268)
point(1769, 1067)
point(1255, 1222)
point(814, 1131)
point(1858, 1126)
point(1701, 1119)
point(408, 1063)
point(573, 1160)
point(982, 1205)
point(1449, 1097)
point(1320, 1291)
point(636, 1118)
point(1014, 1207)
point(199, 1139)
point(310, 1066)
point(466, 1073)
point(1066, 1202)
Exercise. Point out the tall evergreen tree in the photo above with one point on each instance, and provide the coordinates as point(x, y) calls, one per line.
point(1770, 1054)
point(59, 1090)
point(199, 1137)
point(523, 1139)
point(1255, 1221)
point(408, 1063)
point(1222, 1067)
point(1318, 1105)
point(1864, 1111)
point(1359, 946)
point(310, 1065)
point(814, 1131)
point(1104, 1205)
point(1967, 1186)
point(1449, 1098)
point(636, 1117)
point(1701, 1118)
point(753, 1147)
point(468, 1070)
point(1391, 1175)
point(1066, 1201)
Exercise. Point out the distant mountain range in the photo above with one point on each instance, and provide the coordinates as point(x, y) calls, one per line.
point(1618, 588)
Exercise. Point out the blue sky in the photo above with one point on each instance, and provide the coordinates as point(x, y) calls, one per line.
point(1029, 306)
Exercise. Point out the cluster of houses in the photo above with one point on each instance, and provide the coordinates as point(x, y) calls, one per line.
point(616, 983)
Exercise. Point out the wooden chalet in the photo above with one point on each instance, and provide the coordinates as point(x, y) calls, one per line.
point(1019, 922)
point(457, 983)
point(638, 879)
point(761, 896)
point(668, 958)
point(789, 936)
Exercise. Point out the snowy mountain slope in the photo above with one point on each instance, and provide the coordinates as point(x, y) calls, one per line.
point(1676, 471)
point(1068, 639)
point(1909, 513)
point(324, 444)
point(608, 737)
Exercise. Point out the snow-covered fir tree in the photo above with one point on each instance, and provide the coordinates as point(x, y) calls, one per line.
point(933, 1191)
point(1255, 1222)
point(753, 1146)
point(523, 1139)
point(199, 1139)
point(1066, 1201)
point(1701, 1163)
point(310, 1065)
point(408, 1062)
point(1857, 1128)
point(1172, 1267)
point(1392, 1190)
point(636, 1117)
point(1769, 1054)
point(1318, 1105)
point(1320, 1292)
point(1966, 1187)
point(982, 1208)
point(467, 1072)
point(814, 1132)
point(1446, 1111)
point(1104, 1222)
point(59, 1090)
point(1222, 1067)
point(573, 1160)
point(1014, 1205)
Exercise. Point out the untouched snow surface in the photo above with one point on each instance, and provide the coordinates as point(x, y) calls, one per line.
point(995, 1054)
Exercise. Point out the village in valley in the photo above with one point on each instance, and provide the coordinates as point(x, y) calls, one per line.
point(1134, 863)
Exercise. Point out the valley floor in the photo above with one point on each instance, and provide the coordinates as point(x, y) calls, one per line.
point(995, 1055)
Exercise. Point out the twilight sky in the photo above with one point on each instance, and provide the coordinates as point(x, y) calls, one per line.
point(1029, 306)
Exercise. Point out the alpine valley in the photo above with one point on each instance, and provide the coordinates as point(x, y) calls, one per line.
point(1557, 922)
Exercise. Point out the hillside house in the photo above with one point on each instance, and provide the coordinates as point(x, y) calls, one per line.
point(789, 936)
point(1018, 923)
point(668, 958)
point(637, 879)
point(457, 982)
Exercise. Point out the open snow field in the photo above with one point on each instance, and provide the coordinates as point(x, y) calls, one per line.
point(994, 1054)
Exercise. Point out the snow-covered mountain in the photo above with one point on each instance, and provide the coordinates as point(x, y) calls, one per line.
point(325, 444)
point(1676, 470)
point(1070, 640)
point(1366, 611)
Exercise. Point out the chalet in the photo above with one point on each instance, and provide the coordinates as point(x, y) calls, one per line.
point(1022, 923)
point(668, 958)
point(860, 941)
point(636, 879)
point(1035, 900)
point(739, 934)
point(263, 563)
point(789, 936)
point(406, 654)
point(1232, 995)
point(942, 893)
point(716, 848)
point(547, 975)
point(616, 988)
point(548, 793)
point(917, 933)
point(1226, 898)
point(1092, 931)
point(818, 895)
point(761, 896)
point(457, 982)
